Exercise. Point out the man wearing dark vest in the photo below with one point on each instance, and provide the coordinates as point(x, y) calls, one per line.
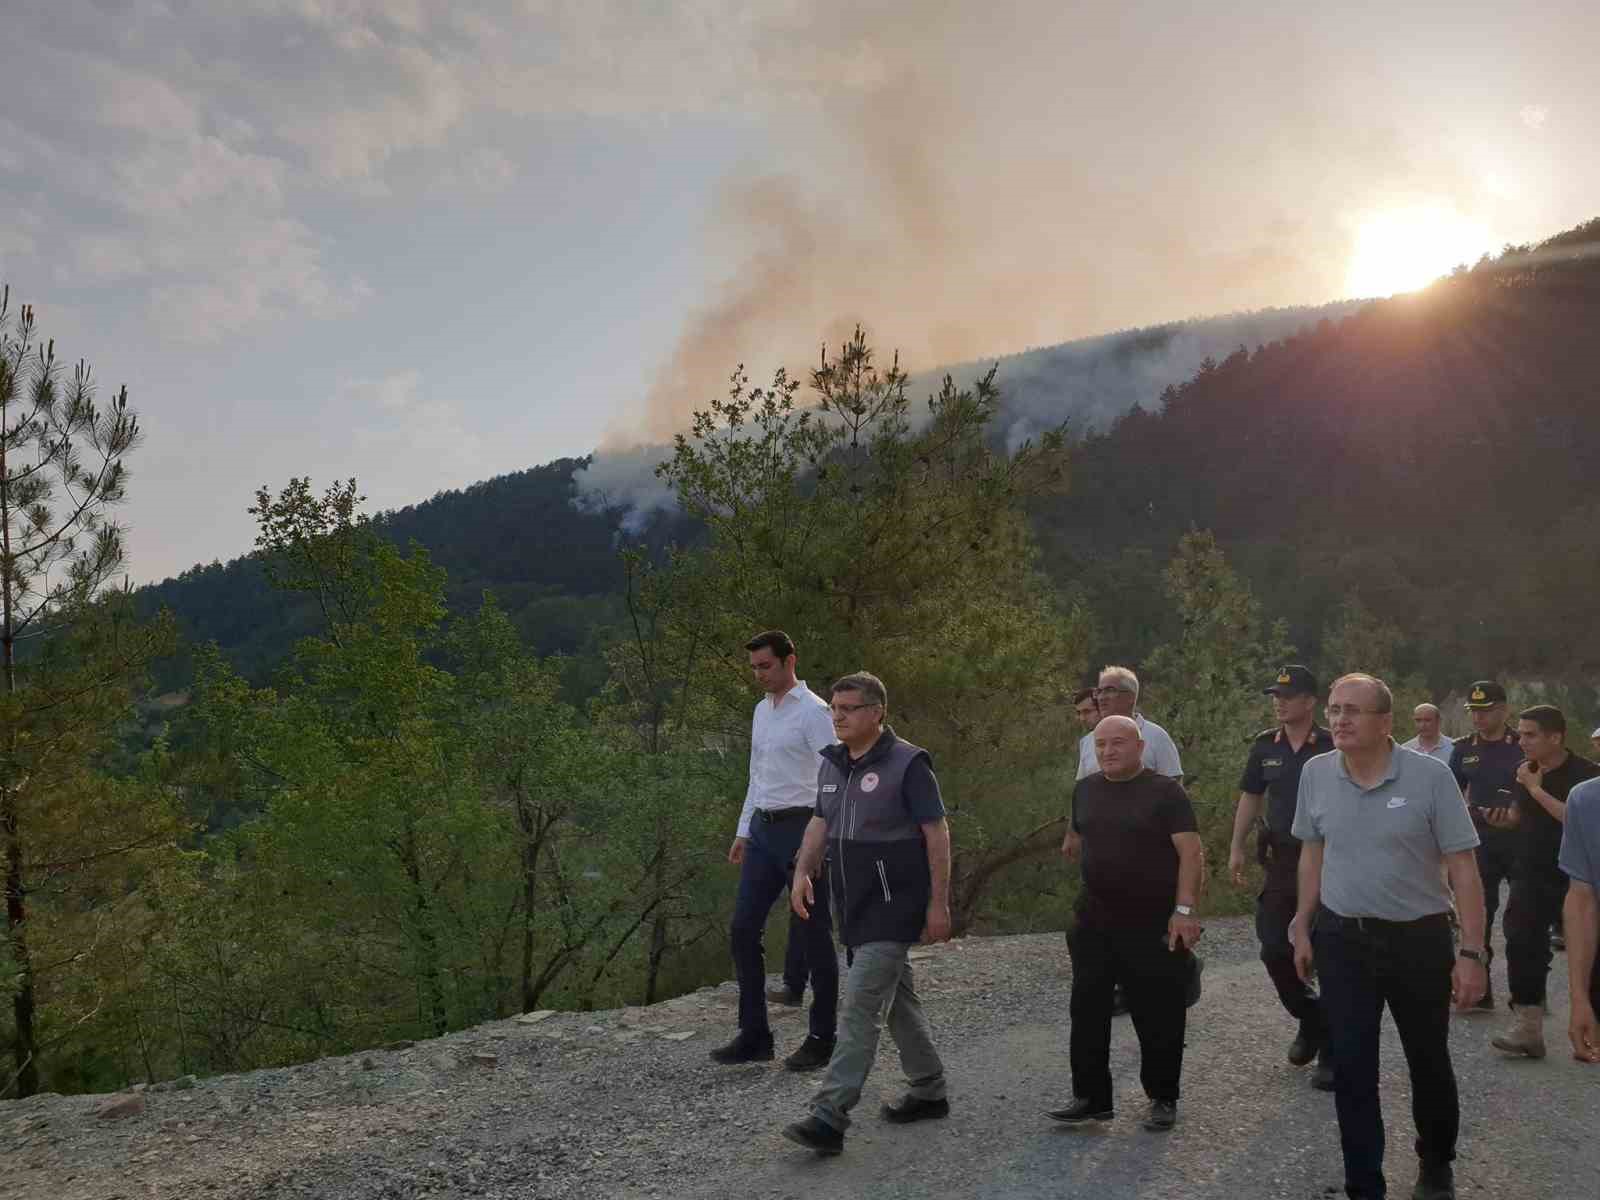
point(880, 820)
point(1272, 774)
point(1485, 767)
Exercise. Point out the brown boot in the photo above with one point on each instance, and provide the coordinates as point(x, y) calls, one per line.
point(1526, 1035)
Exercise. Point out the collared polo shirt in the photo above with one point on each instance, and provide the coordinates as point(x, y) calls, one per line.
point(1442, 751)
point(1580, 836)
point(785, 739)
point(1160, 751)
point(1382, 846)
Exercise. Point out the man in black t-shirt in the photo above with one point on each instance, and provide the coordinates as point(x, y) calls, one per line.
point(1485, 766)
point(1538, 886)
point(1142, 862)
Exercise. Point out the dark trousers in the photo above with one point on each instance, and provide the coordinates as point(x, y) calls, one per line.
point(1105, 952)
point(1535, 905)
point(766, 871)
point(1275, 909)
point(1406, 966)
point(1497, 860)
point(795, 969)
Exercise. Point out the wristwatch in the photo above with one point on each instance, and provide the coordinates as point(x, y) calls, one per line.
point(1475, 955)
point(1183, 910)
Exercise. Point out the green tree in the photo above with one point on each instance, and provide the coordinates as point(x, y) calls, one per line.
point(68, 654)
point(880, 539)
point(1206, 686)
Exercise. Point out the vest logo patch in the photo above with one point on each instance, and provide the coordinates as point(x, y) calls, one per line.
point(1397, 801)
point(830, 787)
point(1272, 762)
point(869, 782)
point(1470, 760)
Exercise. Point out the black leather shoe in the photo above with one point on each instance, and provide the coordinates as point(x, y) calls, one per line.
point(1081, 1110)
point(909, 1108)
point(744, 1049)
point(783, 996)
point(1305, 1045)
point(1435, 1183)
point(813, 1053)
point(1322, 1076)
point(1163, 1116)
point(815, 1134)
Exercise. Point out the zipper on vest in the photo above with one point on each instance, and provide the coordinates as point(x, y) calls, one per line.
point(883, 878)
point(844, 876)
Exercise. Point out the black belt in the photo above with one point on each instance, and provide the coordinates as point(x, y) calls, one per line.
point(776, 816)
point(1328, 919)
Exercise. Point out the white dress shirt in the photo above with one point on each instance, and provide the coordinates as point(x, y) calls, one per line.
point(1441, 751)
point(785, 739)
point(1160, 751)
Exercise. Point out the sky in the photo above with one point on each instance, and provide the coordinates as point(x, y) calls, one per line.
point(427, 243)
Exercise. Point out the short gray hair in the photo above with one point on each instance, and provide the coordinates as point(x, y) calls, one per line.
point(869, 685)
point(1126, 679)
point(1433, 708)
point(1380, 690)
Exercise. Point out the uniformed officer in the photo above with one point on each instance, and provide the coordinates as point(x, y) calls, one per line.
point(1272, 773)
point(1485, 767)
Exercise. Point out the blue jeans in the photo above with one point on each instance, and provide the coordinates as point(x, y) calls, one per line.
point(1406, 966)
point(768, 864)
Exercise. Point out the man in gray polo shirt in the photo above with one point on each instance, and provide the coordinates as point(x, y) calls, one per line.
point(1580, 859)
point(1377, 822)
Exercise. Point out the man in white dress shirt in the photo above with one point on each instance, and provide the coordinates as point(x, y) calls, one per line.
point(1429, 740)
point(791, 725)
point(1118, 696)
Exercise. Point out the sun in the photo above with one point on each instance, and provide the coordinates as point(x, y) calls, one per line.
point(1403, 249)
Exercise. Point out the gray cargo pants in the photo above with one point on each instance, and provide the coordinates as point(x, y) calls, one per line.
point(880, 975)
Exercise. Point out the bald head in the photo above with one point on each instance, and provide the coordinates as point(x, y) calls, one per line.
point(1119, 747)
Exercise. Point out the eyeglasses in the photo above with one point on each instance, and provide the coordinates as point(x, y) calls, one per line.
point(1335, 711)
point(844, 710)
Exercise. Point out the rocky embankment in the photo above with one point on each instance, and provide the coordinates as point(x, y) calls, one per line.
point(625, 1104)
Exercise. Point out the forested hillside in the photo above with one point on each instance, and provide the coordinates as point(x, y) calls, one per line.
point(1435, 453)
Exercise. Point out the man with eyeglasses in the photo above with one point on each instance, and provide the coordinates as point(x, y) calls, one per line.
point(789, 730)
point(1117, 695)
point(1272, 780)
point(1376, 823)
point(1485, 767)
point(881, 822)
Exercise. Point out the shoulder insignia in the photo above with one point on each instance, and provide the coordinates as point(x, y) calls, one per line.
point(1266, 735)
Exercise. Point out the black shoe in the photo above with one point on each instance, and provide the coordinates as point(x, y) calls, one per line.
point(1163, 1116)
point(1322, 1076)
point(815, 1134)
point(785, 997)
point(1080, 1111)
point(1305, 1045)
point(1435, 1183)
point(1558, 941)
point(744, 1049)
point(813, 1053)
point(909, 1108)
point(1119, 1002)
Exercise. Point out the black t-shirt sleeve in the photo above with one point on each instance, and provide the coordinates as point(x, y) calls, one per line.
point(1077, 790)
point(1177, 813)
point(1253, 781)
point(921, 791)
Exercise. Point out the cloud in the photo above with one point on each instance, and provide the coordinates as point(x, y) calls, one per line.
point(422, 439)
point(1534, 116)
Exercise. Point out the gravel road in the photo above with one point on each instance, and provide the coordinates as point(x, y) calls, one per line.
point(625, 1104)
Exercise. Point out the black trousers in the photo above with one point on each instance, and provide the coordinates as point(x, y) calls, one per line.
point(1107, 951)
point(1497, 861)
point(1406, 966)
point(1535, 905)
point(1275, 909)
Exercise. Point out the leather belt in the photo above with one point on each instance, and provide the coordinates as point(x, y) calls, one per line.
point(776, 816)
